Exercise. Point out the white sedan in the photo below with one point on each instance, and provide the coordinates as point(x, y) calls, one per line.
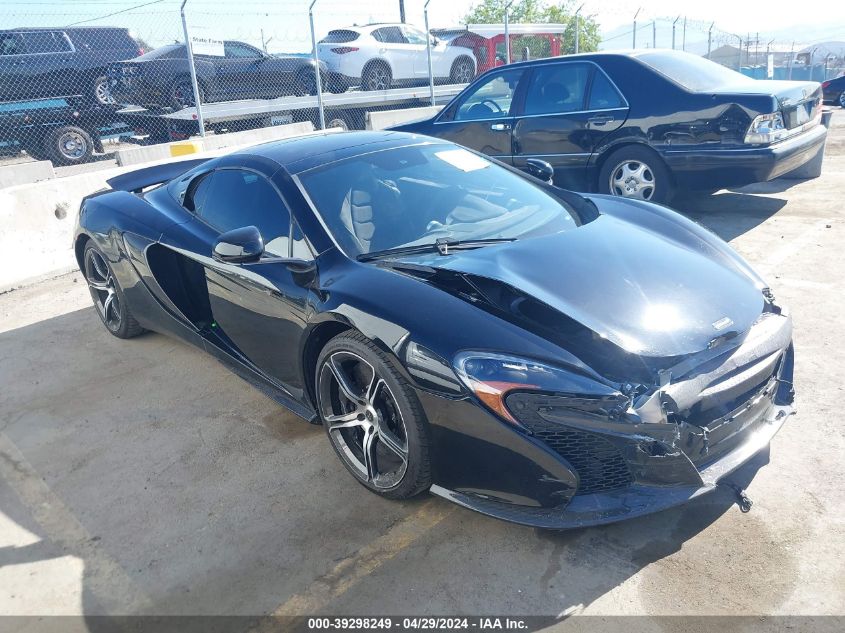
point(380, 56)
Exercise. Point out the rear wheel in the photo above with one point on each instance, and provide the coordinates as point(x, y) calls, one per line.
point(68, 145)
point(376, 76)
point(101, 93)
point(108, 297)
point(842, 99)
point(462, 71)
point(182, 93)
point(636, 172)
point(306, 83)
point(373, 418)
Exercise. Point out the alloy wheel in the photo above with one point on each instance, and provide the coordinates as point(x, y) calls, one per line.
point(103, 289)
point(72, 145)
point(842, 99)
point(463, 72)
point(632, 179)
point(377, 78)
point(363, 420)
point(102, 92)
point(183, 94)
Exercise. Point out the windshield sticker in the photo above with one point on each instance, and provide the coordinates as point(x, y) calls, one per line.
point(462, 159)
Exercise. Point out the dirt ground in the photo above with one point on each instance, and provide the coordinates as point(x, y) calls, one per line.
point(142, 477)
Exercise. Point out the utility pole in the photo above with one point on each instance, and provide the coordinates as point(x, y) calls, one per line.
point(577, 27)
point(673, 31)
point(428, 51)
point(507, 33)
point(317, 67)
point(635, 27)
point(709, 38)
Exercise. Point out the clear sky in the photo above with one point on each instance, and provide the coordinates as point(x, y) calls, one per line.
point(286, 21)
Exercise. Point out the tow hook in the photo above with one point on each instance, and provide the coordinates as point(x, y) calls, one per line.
point(742, 499)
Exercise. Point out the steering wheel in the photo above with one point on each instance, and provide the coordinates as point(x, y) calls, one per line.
point(494, 104)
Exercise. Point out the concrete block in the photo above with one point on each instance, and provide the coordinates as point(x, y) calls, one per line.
point(260, 135)
point(23, 173)
point(384, 119)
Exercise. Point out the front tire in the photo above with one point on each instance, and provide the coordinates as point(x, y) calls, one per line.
point(636, 172)
point(107, 295)
point(372, 417)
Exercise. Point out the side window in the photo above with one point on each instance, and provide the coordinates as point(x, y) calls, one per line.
point(46, 42)
point(603, 95)
point(389, 35)
point(11, 44)
point(490, 99)
point(239, 198)
point(236, 49)
point(557, 88)
point(414, 36)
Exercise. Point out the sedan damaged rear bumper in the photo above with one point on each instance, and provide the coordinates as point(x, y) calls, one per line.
point(712, 169)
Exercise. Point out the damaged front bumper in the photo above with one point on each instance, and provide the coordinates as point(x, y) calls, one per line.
point(709, 417)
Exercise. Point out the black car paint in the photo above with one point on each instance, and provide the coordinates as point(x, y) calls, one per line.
point(161, 256)
point(148, 81)
point(699, 136)
point(833, 90)
point(73, 72)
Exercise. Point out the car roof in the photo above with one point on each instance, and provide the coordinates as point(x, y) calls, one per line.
point(301, 153)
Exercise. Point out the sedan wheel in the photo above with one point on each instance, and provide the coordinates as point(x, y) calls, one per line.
point(107, 296)
point(842, 99)
point(632, 179)
point(102, 93)
point(372, 418)
point(182, 94)
point(462, 72)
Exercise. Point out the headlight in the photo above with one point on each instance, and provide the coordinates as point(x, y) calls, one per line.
point(491, 377)
point(766, 128)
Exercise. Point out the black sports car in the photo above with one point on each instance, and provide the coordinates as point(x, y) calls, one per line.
point(456, 325)
point(161, 78)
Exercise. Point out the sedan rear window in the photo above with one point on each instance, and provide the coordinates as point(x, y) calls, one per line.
point(339, 36)
point(413, 196)
point(694, 73)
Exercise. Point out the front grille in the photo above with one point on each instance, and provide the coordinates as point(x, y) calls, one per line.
point(599, 464)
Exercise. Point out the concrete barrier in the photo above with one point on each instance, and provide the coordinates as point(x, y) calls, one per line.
point(24, 173)
point(135, 156)
point(37, 219)
point(383, 119)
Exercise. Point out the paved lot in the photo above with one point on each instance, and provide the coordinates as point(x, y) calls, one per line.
point(142, 477)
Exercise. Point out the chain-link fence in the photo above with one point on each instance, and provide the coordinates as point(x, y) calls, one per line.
point(77, 78)
point(75, 75)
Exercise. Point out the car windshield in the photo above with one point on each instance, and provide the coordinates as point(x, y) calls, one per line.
point(414, 196)
point(691, 71)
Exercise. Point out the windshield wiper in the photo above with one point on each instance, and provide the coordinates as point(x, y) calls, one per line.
point(442, 245)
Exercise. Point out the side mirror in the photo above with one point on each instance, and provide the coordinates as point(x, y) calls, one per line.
point(540, 169)
point(239, 246)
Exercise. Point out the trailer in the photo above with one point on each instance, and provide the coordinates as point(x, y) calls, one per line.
point(66, 130)
point(346, 110)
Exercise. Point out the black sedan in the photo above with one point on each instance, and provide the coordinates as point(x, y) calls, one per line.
point(640, 125)
point(834, 91)
point(162, 77)
point(456, 325)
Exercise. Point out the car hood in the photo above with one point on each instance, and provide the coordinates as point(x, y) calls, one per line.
point(646, 290)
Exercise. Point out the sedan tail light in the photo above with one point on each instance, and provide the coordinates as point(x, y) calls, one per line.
point(825, 84)
point(342, 50)
point(766, 128)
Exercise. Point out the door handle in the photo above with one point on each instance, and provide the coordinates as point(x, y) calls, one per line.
point(500, 127)
point(600, 120)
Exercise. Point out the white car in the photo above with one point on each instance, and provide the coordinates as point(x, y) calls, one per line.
point(380, 56)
